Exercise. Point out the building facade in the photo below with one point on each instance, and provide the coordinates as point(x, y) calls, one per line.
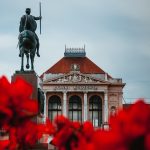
point(80, 90)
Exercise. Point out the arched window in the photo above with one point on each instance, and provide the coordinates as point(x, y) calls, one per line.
point(95, 110)
point(75, 108)
point(54, 107)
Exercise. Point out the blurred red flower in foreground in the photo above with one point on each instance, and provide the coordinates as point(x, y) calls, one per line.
point(72, 135)
point(129, 130)
point(16, 111)
point(15, 103)
point(133, 124)
point(4, 144)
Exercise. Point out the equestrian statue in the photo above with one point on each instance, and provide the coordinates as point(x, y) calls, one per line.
point(28, 39)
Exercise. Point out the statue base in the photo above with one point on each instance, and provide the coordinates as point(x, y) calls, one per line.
point(31, 78)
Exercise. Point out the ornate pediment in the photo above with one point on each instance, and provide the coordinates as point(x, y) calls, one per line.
point(75, 77)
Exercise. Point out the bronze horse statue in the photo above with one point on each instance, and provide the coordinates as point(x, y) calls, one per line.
point(28, 40)
point(27, 46)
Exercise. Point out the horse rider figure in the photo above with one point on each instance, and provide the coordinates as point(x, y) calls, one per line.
point(28, 22)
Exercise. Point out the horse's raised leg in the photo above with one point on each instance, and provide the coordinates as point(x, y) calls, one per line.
point(27, 66)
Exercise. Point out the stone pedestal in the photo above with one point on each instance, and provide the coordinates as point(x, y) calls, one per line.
point(31, 78)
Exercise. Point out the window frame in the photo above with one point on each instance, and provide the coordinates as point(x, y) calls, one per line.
point(72, 109)
point(93, 110)
point(54, 100)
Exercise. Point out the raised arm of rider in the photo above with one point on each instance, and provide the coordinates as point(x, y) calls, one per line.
point(38, 18)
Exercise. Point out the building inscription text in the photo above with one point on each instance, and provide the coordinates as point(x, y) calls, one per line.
point(75, 88)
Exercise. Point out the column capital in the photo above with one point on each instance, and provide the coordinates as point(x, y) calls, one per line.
point(45, 91)
point(105, 92)
point(64, 92)
point(85, 92)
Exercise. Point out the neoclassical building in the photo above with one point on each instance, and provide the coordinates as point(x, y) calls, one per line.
point(80, 90)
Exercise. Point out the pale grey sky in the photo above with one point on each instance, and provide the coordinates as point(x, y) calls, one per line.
point(116, 34)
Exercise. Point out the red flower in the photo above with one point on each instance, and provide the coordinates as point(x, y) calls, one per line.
point(27, 134)
point(61, 121)
point(15, 103)
point(133, 125)
point(46, 128)
point(5, 112)
point(4, 144)
point(66, 133)
point(72, 135)
point(106, 140)
point(88, 130)
point(129, 129)
point(75, 125)
point(16, 111)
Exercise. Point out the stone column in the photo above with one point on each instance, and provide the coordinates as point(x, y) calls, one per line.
point(105, 108)
point(65, 103)
point(45, 100)
point(85, 108)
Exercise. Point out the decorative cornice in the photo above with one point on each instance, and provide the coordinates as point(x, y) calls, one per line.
point(75, 78)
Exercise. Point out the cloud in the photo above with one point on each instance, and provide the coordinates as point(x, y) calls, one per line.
point(8, 41)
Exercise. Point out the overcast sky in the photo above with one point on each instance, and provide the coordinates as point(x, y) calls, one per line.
point(116, 34)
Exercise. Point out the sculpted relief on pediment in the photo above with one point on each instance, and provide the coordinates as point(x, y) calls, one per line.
point(74, 78)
